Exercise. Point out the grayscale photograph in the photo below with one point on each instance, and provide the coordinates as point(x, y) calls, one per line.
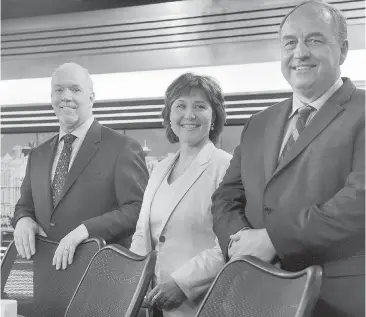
point(187, 158)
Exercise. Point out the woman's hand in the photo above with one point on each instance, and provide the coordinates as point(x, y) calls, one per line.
point(166, 295)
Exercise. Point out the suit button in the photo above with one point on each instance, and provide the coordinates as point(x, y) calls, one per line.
point(53, 223)
point(267, 210)
point(162, 239)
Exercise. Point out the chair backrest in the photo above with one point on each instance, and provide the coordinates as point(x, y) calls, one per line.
point(249, 287)
point(114, 284)
point(38, 287)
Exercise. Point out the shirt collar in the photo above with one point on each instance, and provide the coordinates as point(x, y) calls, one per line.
point(318, 103)
point(80, 131)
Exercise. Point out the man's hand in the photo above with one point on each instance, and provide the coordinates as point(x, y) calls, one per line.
point(24, 236)
point(255, 242)
point(65, 251)
point(166, 295)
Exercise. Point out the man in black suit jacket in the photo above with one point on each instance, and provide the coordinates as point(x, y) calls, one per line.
point(295, 187)
point(99, 193)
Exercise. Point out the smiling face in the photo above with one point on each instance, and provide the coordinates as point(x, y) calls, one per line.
point(191, 118)
point(72, 96)
point(310, 52)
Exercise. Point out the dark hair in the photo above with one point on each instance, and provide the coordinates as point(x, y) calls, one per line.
point(213, 92)
point(339, 20)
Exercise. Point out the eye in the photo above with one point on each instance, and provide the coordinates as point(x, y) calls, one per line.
point(201, 106)
point(58, 89)
point(180, 105)
point(314, 41)
point(290, 44)
point(75, 89)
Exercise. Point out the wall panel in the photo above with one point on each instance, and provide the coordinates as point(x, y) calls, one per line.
point(136, 114)
point(159, 36)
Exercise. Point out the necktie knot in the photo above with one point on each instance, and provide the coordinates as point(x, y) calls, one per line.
point(69, 138)
point(303, 115)
point(305, 111)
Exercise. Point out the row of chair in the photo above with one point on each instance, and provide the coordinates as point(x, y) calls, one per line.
point(109, 280)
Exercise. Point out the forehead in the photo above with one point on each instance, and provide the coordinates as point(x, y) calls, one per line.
point(192, 93)
point(70, 76)
point(309, 19)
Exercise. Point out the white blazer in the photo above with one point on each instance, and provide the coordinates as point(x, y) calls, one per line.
point(190, 253)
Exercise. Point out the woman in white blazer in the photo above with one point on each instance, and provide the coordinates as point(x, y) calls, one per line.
point(175, 217)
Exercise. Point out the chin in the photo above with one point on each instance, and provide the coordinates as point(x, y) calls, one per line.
point(303, 85)
point(197, 142)
point(188, 141)
point(69, 122)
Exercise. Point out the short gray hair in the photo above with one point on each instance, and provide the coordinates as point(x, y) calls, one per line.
point(338, 18)
point(84, 70)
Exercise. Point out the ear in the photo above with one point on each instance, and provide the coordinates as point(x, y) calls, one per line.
point(213, 117)
point(344, 51)
point(92, 98)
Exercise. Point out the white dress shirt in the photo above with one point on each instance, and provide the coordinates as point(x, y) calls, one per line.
point(80, 133)
point(297, 103)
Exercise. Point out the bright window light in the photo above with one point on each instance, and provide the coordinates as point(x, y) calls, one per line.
point(245, 78)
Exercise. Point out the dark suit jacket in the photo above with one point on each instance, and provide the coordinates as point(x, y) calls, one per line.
point(313, 203)
point(103, 190)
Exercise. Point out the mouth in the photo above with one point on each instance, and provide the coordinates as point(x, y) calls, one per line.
point(189, 126)
point(67, 107)
point(302, 67)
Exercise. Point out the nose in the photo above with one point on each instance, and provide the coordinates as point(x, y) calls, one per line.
point(190, 113)
point(301, 51)
point(66, 95)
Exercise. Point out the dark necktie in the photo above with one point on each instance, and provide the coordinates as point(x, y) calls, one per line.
point(62, 168)
point(303, 115)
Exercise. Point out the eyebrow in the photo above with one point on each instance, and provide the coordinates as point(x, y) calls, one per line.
point(198, 101)
point(315, 34)
point(73, 86)
point(287, 37)
point(201, 101)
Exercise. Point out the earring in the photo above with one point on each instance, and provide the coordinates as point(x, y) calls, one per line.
point(212, 126)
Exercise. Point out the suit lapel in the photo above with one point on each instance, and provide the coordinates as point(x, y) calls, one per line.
point(154, 183)
point(274, 135)
point(159, 177)
point(45, 171)
point(321, 120)
point(198, 166)
point(87, 150)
